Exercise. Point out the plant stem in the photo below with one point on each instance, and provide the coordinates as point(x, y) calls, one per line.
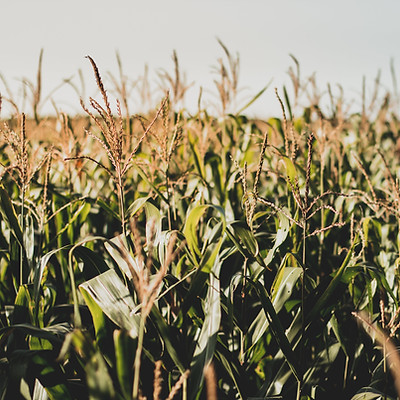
point(77, 315)
point(184, 390)
point(135, 391)
point(169, 198)
point(346, 368)
point(298, 390)
point(121, 204)
point(322, 235)
point(21, 256)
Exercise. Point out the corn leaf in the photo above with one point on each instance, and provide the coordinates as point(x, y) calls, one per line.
point(249, 241)
point(328, 293)
point(205, 345)
point(111, 295)
point(277, 330)
point(281, 290)
point(124, 360)
point(170, 339)
point(190, 232)
point(9, 215)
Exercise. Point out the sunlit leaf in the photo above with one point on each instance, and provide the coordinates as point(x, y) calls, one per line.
point(191, 234)
point(111, 295)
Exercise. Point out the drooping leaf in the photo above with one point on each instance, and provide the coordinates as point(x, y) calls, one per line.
point(283, 284)
point(191, 235)
point(249, 241)
point(54, 333)
point(111, 295)
point(137, 205)
point(117, 248)
point(281, 235)
point(38, 273)
point(281, 290)
point(93, 263)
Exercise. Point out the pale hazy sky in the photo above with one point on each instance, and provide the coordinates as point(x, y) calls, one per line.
point(341, 40)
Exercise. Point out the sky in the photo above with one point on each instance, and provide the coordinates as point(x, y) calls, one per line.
point(340, 41)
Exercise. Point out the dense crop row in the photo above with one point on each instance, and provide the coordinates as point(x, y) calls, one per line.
point(196, 257)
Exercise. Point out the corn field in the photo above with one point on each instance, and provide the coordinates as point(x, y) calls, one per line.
point(179, 255)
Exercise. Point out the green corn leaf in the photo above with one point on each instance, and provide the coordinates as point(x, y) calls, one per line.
point(205, 345)
point(100, 322)
point(153, 222)
point(190, 232)
point(283, 284)
point(113, 298)
point(247, 238)
point(55, 334)
point(22, 306)
point(137, 205)
point(9, 215)
point(379, 275)
point(170, 339)
point(98, 378)
point(153, 216)
point(324, 361)
point(237, 244)
point(93, 263)
point(108, 209)
point(50, 373)
point(151, 184)
point(117, 248)
point(249, 241)
point(124, 360)
point(277, 330)
point(39, 392)
point(291, 172)
point(328, 293)
point(29, 237)
point(190, 229)
point(281, 290)
point(248, 104)
point(215, 164)
point(73, 215)
point(337, 331)
point(233, 369)
point(197, 158)
point(27, 368)
point(39, 270)
point(77, 317)
point(287, 101)
point(281, 235)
